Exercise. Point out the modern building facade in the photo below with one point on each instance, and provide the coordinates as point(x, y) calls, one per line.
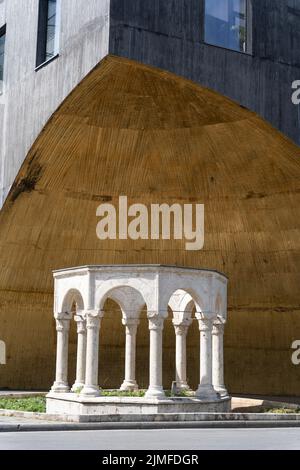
point(248, 51)
point(203, 42)
point(32, 90)
point(96, 103)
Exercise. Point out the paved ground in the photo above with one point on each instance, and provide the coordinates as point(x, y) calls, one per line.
point(18, 420)
point(284, 399)
point(190, 439)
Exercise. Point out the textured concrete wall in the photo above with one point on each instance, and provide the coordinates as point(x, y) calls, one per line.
point(31, 97)
point(169, 34)
point(129, 129)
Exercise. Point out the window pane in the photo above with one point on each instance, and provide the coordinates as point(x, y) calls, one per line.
point(47, 31)
point(51, 29)
point(226, 23)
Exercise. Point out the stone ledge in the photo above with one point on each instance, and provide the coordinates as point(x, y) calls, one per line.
point(185, 418)
point(72, 397)
point(204, 420)
point(93, 408)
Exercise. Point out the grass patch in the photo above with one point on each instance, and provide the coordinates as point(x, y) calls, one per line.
point(140, 393)
point(38, 404)
point(35, 404)
point(182, 393)
point(123, 393)
point(281, 410)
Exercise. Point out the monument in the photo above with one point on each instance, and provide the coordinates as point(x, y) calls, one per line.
point(186, 291)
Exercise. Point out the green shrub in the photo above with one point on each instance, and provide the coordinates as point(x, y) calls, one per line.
point(281, 410)
point(35, 404)
point(123, 393)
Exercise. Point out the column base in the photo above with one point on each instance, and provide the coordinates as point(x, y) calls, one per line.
point(181, 386)
point(60, 387)
point(77, 387)
point(207, 392)
point(222, 391)
point(129, 385)
point(155, 392)
point(90, 391)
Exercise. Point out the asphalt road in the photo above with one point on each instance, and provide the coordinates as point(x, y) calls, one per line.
point(181, 439)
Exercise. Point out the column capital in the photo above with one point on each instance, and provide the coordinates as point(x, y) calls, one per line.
point(93, 319)
point(205, 324)
point(156, 322)
point(63, 316)
point(181, 327)
point(62, 325)
point(93, 313)
point(218, 327)
point(81, 324)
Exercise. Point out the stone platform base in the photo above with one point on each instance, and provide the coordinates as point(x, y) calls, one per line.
point(129, 408)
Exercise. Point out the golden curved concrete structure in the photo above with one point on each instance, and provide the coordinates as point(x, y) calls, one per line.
point(134, 130)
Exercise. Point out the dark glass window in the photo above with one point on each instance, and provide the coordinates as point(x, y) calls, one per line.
point(228, 24)
point(47, 31)
point(2, 49)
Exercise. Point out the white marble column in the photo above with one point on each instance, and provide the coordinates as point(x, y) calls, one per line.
point(91, 386)
point(131, 325)
point(181, 329)
point(206, 390)
point(218, 357)
point(61, 380)
point(155, 389)
point(81, 353)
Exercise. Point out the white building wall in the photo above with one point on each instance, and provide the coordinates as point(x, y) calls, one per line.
point(2, 21)
point(30, 97)
point(2, 11)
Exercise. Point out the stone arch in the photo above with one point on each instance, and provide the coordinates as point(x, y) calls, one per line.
point(185, 295)
point(129, 298)
point(72, 296)
point(182, 305)
point(72, 306)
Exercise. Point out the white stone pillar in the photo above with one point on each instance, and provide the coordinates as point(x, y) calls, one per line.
point(91, 386)
point(205, 390)
point(181, 329)
point(61, 380)
point(155, 389)
point(218, 357)
point(131, 325)
point(81, 353)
